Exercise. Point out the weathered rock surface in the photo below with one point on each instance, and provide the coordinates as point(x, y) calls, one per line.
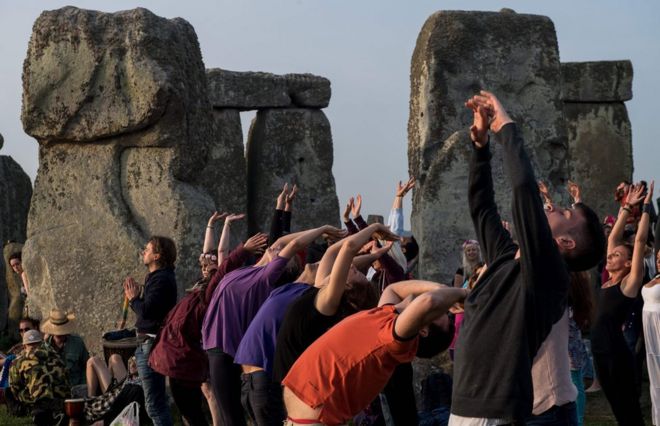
point(224, 175)
point(599, 131)
point(457, 54)
point(294, 146)
point(257, 90)
point(15, 194)
point(375, 218)
point(11, 284)
point(601, 81)
point(600, 151)
point(118, 104)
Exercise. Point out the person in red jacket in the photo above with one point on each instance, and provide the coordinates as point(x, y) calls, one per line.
point(177, 352)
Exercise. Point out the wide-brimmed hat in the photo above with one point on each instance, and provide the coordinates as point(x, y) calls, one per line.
point(32, 336)
point(59, 323)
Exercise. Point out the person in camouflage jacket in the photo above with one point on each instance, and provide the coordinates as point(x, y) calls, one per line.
point(38, 378)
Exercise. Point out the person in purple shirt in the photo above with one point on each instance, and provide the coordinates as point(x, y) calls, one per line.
point(234, 304)
point(260, 396)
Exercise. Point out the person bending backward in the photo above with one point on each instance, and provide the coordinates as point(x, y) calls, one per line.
point(332, 381)
point(524, 290)
point(235, 303)
point(260, 394)
point(340, 290)
point(612, 357)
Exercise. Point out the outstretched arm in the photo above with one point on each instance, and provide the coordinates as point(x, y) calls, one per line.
point(634, 195)
point(395, 221)
point(346, 217)
point(225, 237)
point(276, 229)
point(363, 262)
point(328, 298)
point(209, 235)
point(493, 239)
point(633, 281)
point(426, 308)
point(305, 238)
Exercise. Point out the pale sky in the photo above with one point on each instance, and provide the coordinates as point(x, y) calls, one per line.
point(364, 48)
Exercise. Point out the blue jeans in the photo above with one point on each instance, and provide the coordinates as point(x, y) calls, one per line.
point(578, 381)
point(559, 415)
point(155, 394)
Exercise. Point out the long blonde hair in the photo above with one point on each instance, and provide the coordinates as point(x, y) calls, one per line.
point(470, 266)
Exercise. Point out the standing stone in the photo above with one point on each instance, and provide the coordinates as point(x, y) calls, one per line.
point(599, 131)
point(15, 194)
point(294, 146)
point(118, 103)
point(457, 54)
point(225, 175)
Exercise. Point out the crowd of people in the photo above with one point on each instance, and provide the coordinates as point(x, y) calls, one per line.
point(321, 326)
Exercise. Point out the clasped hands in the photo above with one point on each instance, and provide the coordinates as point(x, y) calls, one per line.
point(488, 114)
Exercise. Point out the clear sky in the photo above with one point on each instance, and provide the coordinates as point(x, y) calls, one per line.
point(364, 47)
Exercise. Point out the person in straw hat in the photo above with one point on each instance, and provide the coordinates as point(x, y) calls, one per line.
point(59, 328)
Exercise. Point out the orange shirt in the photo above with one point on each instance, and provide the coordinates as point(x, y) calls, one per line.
point(346, 368)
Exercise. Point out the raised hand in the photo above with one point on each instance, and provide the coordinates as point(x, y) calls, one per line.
point(347, 211)
point(216, 217)
point(282, 197)
point(635, 194)
point(381, 250)
point(292, 194)
point(649, 194)
point(357, 206)
point(402, 190)
point(333, 234)
point(256, 244)
point(543, 189)
point(479, 128)
point(574, 190)
point(495, 111)
point(233, 217)
point(383, 232)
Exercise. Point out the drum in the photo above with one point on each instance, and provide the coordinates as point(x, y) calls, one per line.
point(124, 347)
point(75, 410)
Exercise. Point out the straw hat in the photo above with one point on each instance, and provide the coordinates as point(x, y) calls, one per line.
point(59, 323)
point(32, 336)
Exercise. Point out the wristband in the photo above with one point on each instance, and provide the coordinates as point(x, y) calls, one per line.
point(627, 209)
point(646, 208)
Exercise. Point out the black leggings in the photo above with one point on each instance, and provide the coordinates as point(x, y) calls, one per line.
point(225, 377)
point(401, 396)
point(189, 400)
point(616, 374)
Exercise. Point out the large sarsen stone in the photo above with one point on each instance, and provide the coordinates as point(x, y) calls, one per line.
point(457, 54)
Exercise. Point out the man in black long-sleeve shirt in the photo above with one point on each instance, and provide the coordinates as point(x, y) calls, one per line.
point(523, 292)
point(158, 298)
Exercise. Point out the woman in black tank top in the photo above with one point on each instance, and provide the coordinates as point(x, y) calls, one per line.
point(612, 358)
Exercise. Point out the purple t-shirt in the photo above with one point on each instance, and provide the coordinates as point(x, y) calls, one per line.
point(236, 301)
point(258, 345)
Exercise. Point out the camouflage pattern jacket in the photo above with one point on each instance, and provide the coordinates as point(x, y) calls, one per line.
point(38, 375)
